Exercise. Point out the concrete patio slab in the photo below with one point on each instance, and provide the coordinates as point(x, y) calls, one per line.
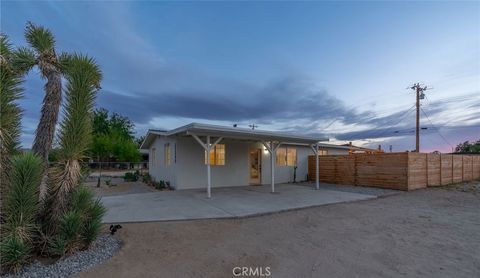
point(228, 202)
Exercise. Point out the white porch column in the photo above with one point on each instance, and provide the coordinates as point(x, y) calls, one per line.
point(317, 167)
point(273, 155)
point(272, 149)
point(207, 147)
point(209, 180)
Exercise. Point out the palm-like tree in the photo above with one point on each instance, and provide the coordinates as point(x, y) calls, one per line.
point(10, 114)
point(83, 78)
point(42, 54)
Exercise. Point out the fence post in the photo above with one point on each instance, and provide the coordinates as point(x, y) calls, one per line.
point(426, 168)
point(472, 166)
point(452, 168)
point(441, 169)
point(355, 172)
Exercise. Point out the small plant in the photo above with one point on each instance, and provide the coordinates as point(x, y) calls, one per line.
point(93, 223)
point(15, 253)
point(70, 229)
point(129, 176)
point(146, 178)
point(58, 247)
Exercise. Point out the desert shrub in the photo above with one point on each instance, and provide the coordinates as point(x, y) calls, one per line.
point(22, 198)
point(93, 222)
point(129, 176)
point(82, 199)
point(146, 178)
point(20, 210)
point(58, 247)
point(70, 229)
point(80, 225)
point(14, 253)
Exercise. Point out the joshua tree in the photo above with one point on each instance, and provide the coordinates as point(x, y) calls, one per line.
point(83, 77)
point(42, 54)
point(10, 112)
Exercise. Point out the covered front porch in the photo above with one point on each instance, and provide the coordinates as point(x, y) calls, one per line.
point(208, 137)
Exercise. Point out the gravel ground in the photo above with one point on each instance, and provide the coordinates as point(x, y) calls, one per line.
point(105, 247)
point(424, 233)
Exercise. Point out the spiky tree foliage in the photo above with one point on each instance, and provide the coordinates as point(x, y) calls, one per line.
point(80, 225)
point(10, 115)
point(42, 54)
point(21, 204)
point(14, 253)
point(21, 207)
point(83, 78)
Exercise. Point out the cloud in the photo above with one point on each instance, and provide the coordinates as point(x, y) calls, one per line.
point(286, 99)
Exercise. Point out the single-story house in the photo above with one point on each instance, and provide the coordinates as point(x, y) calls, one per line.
point(203, 155)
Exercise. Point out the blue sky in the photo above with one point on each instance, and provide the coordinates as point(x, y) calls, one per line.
point(335, 68)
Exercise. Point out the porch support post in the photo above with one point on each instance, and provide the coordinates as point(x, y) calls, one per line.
point(209, 185)
point(317, 167)
point(207, 147)
point(273, 155)
point(272, 149)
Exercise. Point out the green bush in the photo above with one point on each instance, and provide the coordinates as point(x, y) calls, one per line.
point(70, 229)
point(58, 247)
point(146, 178)
point(14, 253)
point(93, 223)
point(22, 198)
point(80, 225)
point(21, 206)
point(129, 176)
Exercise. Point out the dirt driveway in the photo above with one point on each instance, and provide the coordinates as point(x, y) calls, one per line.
point(426, 233)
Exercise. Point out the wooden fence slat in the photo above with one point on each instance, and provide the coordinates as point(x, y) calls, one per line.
point(402, 171)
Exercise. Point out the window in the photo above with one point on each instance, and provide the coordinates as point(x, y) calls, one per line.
point(286, 156)
point(217, 155)
point(167, 154)
point(281, 156)
point(322, 152)
point(291, 157)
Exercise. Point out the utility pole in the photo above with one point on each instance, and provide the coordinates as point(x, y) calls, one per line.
point(420, 95)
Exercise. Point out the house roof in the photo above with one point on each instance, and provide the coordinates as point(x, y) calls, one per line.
point(230, 132)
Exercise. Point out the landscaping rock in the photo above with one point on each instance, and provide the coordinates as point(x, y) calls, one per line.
point(104, 248)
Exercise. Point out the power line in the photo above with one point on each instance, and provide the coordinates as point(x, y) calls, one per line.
point(436, 128)
point(401, 119)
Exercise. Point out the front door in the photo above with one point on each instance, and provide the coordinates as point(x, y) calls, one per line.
point(255, 165)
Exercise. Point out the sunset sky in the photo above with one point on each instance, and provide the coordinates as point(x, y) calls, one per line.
point(336, 69)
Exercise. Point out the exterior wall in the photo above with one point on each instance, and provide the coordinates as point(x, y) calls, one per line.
point(191, 170)
point(188, 169)
point(284, 174)
point(335, 151)
point(157, 168)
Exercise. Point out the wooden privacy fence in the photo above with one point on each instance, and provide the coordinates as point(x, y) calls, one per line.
point(401, 171)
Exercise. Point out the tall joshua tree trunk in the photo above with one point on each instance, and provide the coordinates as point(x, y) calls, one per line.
point(50, 109)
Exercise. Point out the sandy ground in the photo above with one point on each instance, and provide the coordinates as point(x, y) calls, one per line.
point(425, 233)
point(121, 187)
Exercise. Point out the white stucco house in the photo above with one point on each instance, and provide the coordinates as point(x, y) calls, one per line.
point(238, 156)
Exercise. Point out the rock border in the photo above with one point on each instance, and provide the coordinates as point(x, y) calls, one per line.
point(104, 248)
